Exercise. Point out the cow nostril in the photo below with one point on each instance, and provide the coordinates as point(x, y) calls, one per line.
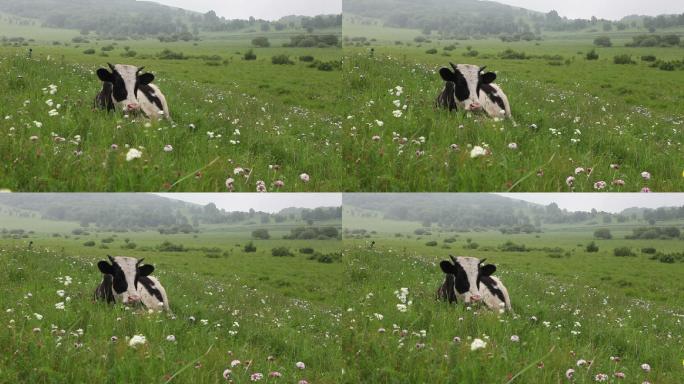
point(133, 106)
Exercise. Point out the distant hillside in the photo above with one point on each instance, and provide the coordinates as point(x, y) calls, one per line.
point(130, 18)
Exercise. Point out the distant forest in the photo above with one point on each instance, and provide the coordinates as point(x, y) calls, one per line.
point(145, 211)
point(130, 18)
point(470, 18)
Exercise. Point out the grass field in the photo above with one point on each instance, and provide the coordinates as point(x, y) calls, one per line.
point(614, 313)
point(267, 312)
point(227, 113)
point(568, 113)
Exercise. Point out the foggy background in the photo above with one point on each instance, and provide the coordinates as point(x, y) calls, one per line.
point(271, 203)
point(606, 9)
point(607, 202)
point(260, 9)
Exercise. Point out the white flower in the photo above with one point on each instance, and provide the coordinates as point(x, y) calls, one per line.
point(38, 316)
point(171, 338)
point(378, 316)
point(645, 367)
point(397, 103)
point(168, 148)
point(402, 307)
point(38, 124)
point(137, 340)
point(226, 374)
point(53, 113)
point(513, 146)
point(645, 175)
point(300, 365)
point(579, 170)
point(304, 177)
point(397, 113)
point(477, 344)
point(59, 305)
point(379, 123)
point(60, 293)
point(477, 151)
point(581, 363)
point(234, 363)
point(133, 154)
point(569, 373)
point(515, 338)
point(570, 181)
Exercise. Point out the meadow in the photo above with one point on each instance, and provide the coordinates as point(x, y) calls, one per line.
point(253, 314)
point(578, 316)
point(275, 122)
point(578, 125)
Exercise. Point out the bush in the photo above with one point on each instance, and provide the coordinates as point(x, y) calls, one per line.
point(431, 243)
point(168, 54)
point(261, 234)
point(623, 59)
point(281, 60)
point(648, 250)
point(648, 58)
point(510, 54)
point(107, 48)
point(592, 55)
point(603, 233)
point(603, 41)
point(168, 246)
point(129, 54)
point(431, 51)
point(261, 42)
point(250, 247)
point(623, 251)
point(471, 53)
point(306, 251)
point(108, 240)
point(510, 246)
point(471, 245)
point(328, 258)
point(89, 243)
point(592, 247)
point(306, 59)
point(281, 252)
point(89, 51)
point(130, 245)
point(249, 55)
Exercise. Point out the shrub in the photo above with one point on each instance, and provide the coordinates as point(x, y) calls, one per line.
point(648, 250)
point(306, 59)
point(306, 251)
point(603, 41)
point(250, 55)
point(471, 53)
point(623, 251)
point(281, 60)
point(431, 243)
point(261, 234)
point(108, 240)
point(261, 42)
point(510, 246)
point(89, 243)
point(327, 258)
point(510, 54)
point(129, 245)
point(107, 48)
point(250, 247)
point(129, 54)
point(592, 55)
point(89, 51)
point(603, 233)
point(168, 246)
point(623, 59)
point(471, 245)
point(648, 58)
point(168, 54)
point(431, 51)
point(281, 252)
point(592, 247)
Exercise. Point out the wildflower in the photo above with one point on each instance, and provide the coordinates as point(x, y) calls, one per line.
point(171, 338)
point(581, 363)
point(456, 339)
point(137, 340)
point(378, 316)
point(646, 190)
point(59, 305)
point(515, 338)
point(302, 382)
point(38, 316)
point(614, 166)
point(397, 113)
point(455, 147)
point(38, 124)
point(402, 307)
point(113, 339)
point(379, 123)
point(168, 148)
point(375, 138)
point(645, 367)
point(569, 373)
point(533, 126)
point(381, 330)
point(477, 151)
point(397, 103)
point(279, 184)
point(619, 375)
point(33, 138)
point(114, 147)
point(619, 182)
point(513, 146)
point(477, 344)
point(256, 376)
point(234, 363)
point(36, 330)
point(570, 181)
point(579, 170)
point(300, 365)
point(304, 177)
point(133, 154)
point(601, 377)
point(614, 358)
point(226, 374)
point(600, 185)
point(229, 183)
point(275, 374)
point(239, 171)
point(645, 175)
point(53, 113)
point(260, 186)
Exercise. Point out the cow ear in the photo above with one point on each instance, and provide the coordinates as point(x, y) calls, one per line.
point(447, 267)
point(105, 75)
point(488, 270)
point(447, 75)
point(105, 268)
point(145, 78)
point(145, 270)
point(488, 77)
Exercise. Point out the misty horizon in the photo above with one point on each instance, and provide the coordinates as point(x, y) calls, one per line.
point(259, 9)
point(610, 9)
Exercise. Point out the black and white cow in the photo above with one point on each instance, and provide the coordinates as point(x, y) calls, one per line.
point(127, 89)
point(470, 280)
point(472, 89)
point(128, 281)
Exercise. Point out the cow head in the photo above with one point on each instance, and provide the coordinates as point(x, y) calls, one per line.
point(125, 81)
point(125, 272)
point(467, 271)
point(468, 80)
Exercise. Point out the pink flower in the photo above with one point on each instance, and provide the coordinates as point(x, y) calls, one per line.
point(275, 374)
point(260, 186)
point(114, 147)
point(600, 185)
point(234, 363)
point(256, 376)
point(279, 184)
point(304, 177)
point(646, 190)
point(229, 184)
point(579, 170)
point(302, 382)
point(569, 373)
point(619, 375)
point(601, 377)
point(570, 181)
point(645, 175)
point(226, 374)
point(581, 363)
point(619, 182)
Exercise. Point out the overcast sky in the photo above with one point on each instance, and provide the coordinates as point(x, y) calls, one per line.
point(607, 202)
point(260, 9)
point(260, 202)
point(603, 9)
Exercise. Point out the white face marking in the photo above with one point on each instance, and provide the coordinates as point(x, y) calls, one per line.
point(129, 74)
point(472, 75)
point(471, 266)
point(129, 267)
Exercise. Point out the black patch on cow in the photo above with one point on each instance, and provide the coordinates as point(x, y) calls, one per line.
point(490, 92)
point(447, 290)
point(150, 94)
point(456, 85)
point(119, 92)
point(447, 99)
point(490, 284)
point(103, 100)
point(119, 283)
point(460, 278)
point(104, 290)
point(149, 287)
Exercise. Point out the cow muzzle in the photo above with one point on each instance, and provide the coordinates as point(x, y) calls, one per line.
point(132, 107)
point(474, 106)
point(133, 300)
